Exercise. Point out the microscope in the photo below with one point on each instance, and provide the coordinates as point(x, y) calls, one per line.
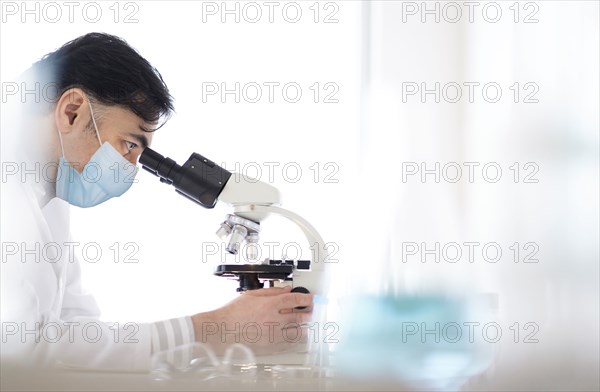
point(252, 201)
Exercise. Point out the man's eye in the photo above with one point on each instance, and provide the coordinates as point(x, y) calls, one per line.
point(130, 145)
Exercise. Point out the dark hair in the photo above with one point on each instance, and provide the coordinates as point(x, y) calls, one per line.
point(111, 72)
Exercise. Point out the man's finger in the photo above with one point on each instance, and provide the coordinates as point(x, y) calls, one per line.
point(269, 291)
point(293, 318)
point(302, 309)
point(294, 300)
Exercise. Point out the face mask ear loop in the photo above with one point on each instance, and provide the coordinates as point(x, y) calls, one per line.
point(94, 121)
point(61, 145)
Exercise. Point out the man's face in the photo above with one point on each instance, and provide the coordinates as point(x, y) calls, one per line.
point(124, 130)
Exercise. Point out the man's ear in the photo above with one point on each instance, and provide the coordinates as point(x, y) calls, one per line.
point(71, 110)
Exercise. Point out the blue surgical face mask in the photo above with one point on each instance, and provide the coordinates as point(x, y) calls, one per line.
point(108, 174)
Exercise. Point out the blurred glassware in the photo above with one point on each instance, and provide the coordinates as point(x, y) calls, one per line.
point(422, 341)
point(200, 362)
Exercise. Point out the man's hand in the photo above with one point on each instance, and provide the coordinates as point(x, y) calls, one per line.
point(265, 320)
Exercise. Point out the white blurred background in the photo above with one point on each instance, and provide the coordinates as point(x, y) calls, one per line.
point(356, 154)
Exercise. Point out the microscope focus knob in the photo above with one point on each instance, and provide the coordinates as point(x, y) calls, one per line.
point(303, 290)
point(300, 289)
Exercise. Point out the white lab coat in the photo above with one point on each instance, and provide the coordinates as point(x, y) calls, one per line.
point(46, 315)
point(42, 293)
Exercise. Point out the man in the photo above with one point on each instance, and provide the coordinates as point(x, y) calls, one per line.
point(105, 103)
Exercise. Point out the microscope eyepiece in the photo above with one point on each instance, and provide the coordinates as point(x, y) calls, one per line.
point(199, 179)
point(165, 168)
point(151, 160)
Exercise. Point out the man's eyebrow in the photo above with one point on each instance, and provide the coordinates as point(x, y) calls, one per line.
point(141, 139)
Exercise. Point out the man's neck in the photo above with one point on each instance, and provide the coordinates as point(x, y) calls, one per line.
point(41, 152)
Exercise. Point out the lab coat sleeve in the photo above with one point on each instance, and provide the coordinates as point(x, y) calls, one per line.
point(172, 340)
point(44, 333)
point(87, 341)
point(90, 343)
point(112, 346)
point(76, 301)
point(104, 345)
point(164, 335)
point(160, 336)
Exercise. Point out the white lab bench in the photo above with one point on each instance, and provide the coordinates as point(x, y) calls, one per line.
point(15, 378)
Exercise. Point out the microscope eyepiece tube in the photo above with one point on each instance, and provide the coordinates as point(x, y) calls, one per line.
point(150, 160)
point(199, 179)
point(167, 169)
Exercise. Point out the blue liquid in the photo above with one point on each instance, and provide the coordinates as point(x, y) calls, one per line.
point(413, 339)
